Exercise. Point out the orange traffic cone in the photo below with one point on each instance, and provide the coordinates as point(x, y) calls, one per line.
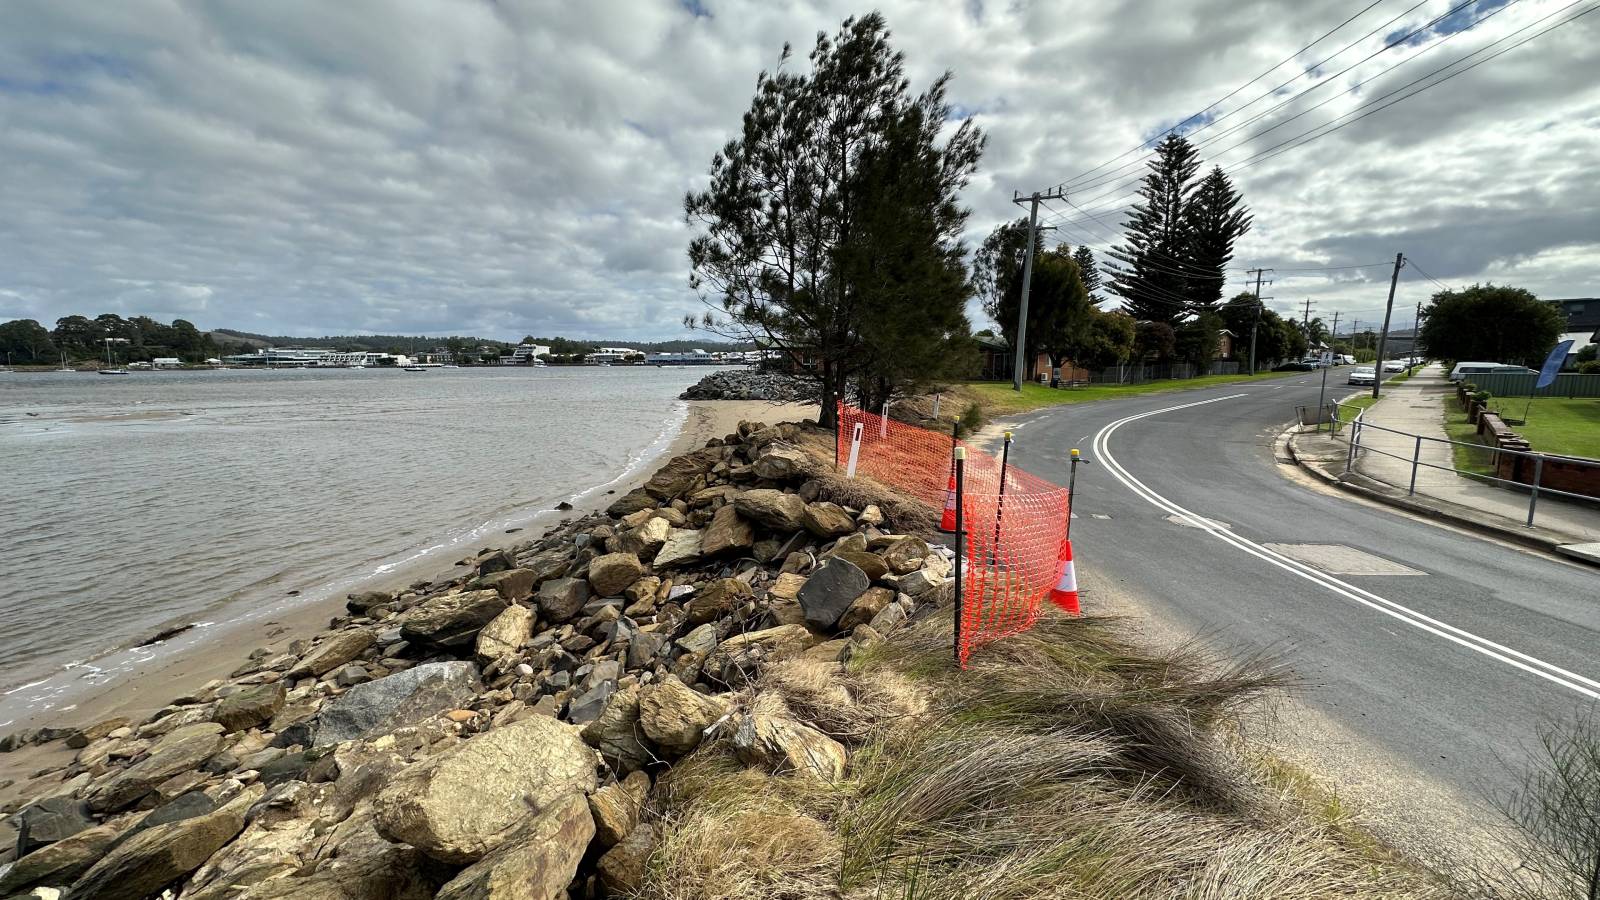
point(1065, 593)
point(947, 522)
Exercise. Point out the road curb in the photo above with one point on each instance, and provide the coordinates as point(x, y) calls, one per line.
point(1589, 554)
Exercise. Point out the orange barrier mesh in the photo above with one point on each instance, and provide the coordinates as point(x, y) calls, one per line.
point(1013, 537)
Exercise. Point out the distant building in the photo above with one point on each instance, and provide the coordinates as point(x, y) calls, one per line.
point(691, 358)
point(609, 355)
point(278, 357)
point(1583, 325)
point(525, 355)
point(166, 362)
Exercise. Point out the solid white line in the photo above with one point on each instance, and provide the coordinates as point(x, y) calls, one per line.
point(1477, 644)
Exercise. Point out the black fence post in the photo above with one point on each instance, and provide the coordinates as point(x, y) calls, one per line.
point(961, 460)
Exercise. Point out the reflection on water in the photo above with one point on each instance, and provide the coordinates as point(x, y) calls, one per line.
point(129, 502)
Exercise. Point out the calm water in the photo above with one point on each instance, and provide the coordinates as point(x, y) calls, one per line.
point(130, 502)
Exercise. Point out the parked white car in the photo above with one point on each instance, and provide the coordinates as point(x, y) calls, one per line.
point(1363, 375)
point(1394, 365)
point(1468, 369)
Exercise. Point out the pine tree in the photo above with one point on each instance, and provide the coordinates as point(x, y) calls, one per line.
point(1215, 217)
point(1089, 272)
point(1152, 262)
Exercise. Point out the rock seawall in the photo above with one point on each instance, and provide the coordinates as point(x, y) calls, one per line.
point(751, 384)
point(495, 732)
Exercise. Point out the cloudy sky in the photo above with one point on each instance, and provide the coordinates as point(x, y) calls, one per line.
point(500, 168)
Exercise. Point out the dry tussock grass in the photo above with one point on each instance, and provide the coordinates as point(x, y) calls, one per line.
point(1062, 763)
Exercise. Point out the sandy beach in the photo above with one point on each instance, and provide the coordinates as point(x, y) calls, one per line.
point(220, 648)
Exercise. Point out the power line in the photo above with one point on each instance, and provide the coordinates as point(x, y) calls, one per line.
point(1427, 276)
point(1231, 93)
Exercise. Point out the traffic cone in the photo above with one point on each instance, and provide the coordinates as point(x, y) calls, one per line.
point(1065, 593)
point(947, 522)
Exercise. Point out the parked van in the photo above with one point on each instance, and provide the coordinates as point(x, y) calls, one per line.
point(1465, 369)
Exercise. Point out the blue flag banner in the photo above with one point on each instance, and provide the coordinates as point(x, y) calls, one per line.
point(1552, 365)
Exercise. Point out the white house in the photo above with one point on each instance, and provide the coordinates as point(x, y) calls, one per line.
point(166, 362)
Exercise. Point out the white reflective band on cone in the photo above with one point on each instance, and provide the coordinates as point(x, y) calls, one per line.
point(1069, 577)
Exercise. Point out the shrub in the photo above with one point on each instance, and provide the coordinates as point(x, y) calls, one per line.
point(1482, 397)
point(971, 419)
point(1592, 367)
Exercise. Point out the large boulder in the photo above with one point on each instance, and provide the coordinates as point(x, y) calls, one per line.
point(60, 863)
point(728, 532)
point(394, 701)
point(182, 750)
point(683, 547)
point(503, 637)
point(618, 807)
point(772, 509)
point(906, 555)
point(250, 707)
point(561, 598)
point(49, 820)
point(768, 736)
point(535, 863)
point(782, 463)
point(737, 659)
point(470, 799)
point(676, 717)
point(333, 653)
point(830, 590)
point(645, 540)
point(610, 573)
point(616, 732)
point(679, 474)
point(630, 503)
point(548, 564)
point(451, 620)
point(717, 599)
point(827, 520)
point(152, 859)
point(513, 584)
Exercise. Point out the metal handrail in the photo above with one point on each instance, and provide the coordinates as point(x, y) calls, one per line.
point(1358, 425)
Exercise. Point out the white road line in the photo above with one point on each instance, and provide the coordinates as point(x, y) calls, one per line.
point(1516, 659)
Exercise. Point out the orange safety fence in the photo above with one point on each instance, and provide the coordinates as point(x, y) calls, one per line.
point(1013, 537)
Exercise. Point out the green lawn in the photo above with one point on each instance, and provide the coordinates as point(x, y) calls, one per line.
point(1557, 424)
point(1457, 428)
point(998, 398)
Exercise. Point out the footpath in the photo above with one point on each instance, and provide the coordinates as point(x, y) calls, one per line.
point(1383, 471)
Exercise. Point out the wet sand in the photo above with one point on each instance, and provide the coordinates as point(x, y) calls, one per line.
point(219, 649)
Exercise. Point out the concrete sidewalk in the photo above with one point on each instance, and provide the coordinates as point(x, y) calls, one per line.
point(1384, 466)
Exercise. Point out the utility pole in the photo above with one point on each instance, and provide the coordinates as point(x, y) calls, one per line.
point(1335, 326)
point(1383, 336)
point(1033, 202)
point(1256, 322)
point(1306, 322)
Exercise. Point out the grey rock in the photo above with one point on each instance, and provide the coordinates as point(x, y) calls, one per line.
point(47, 821)
point(451, 620)
point(683, 546)
point(334, 652)
point(251, 707)
point(535, 863)
point(404, 698)
point(180, 751)
point(829, 592)
point(155, 858)
point(60, 863)
point(616, 732)
point(561, 598)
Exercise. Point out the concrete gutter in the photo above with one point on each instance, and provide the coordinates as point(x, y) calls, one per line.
point(1332, 472)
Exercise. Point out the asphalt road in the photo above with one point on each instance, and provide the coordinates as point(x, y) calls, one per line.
point(1445, 674)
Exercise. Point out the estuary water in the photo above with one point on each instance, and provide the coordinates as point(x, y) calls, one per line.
point(135, 502)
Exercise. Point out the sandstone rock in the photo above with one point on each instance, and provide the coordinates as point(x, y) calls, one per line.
point(561, 598)
point(871, 515)
point(460, 805)
point(742, 655)
point(829, 592)
point(920, 585)
point(535, 863)
point(851, 543)
point(503, 637)
point(617, 808)
point(938, 564)
point(617, 734)
point(870, 564)
point(679, 475)
point(645, 540)
point(361, 602)
point(182, 750)
point(451, 620)
point(781, 463)
point(631, 502)
point(676, 717)
point(610, 573)
point(404, 698)
point(60, 863)
point(772, 509)
point(492, 561)
point(622, 869)
point(333, 653)
point(643, 589)
point(644, 648)
point(153, 859)
point(865, 607)
point(828, 651)
point(548, 564)
point(787, 587)
point(701, 640)
point(717, 599)
point(827, 520)
point(769, 737)
point(683, 546)
point(906, 555)
point(728, 532)
point(512, 584)
point(251, 707)
point(88, 734)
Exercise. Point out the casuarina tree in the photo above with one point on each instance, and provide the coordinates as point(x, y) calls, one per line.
point(1151, 267)
point(1214, 217)
point(783, 242)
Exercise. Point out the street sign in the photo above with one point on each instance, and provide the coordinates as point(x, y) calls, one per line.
point(1327, 358)
point(1552, 365)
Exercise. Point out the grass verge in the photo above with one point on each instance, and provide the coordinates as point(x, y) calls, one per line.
point(1064, 762)
point(997, 398)
point(1570, 427)
point(1467, 458)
